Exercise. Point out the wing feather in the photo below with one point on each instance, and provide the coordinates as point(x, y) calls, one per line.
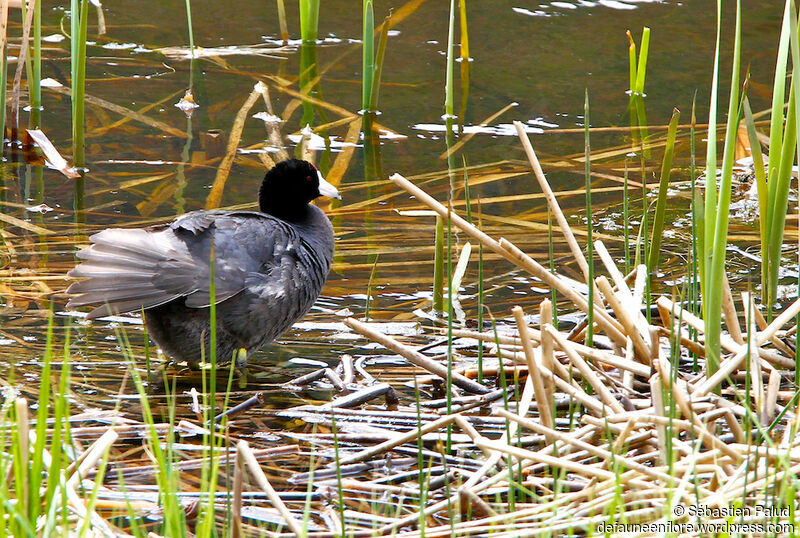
point(132, 269)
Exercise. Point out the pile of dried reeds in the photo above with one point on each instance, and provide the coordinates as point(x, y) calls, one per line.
point(647, 440)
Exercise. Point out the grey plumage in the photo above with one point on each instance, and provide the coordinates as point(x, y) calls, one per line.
point(267, 275)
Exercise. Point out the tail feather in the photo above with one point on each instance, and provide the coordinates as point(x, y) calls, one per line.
point(132, 269)
point(144, 245)
point(121, 307)
point(120, 295)
point(111, 255)
point(93, 269)
point(106, 285)
point(120, 268)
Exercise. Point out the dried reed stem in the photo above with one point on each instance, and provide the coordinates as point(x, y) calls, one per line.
point(552, 202)
point(416, 358)
point(255, 469)
point(542, 398)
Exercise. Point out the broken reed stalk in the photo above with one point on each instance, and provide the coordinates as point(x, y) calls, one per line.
point(362, 396)
point(513, 254)
point(730, 314)
point(559, 463)
point(238, 485)
point(585, 370)
point(626, 318)
point(416, 358)
point(552, 202)
point(588, 352)
point(282, 21)
point(399, 440)
point(263, 482)
point(90, 460)
point(590, 448)
point(542, 399)
point(522, 407)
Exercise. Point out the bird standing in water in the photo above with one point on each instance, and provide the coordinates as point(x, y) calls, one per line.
point(269, 267)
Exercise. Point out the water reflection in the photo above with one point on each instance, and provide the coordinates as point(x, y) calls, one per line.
point(356, 153)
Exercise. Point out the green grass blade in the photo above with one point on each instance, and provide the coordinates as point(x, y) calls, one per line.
point(79, 87)
point(367, 55)
point(663, 186)
point(717, 273)
point(34, 84)
point(189, 26)
point(438, 267)
point(773, 167)
point(448, 95)
point(641, 69)
point(761, 186)
point(707, 215)
point(309, 20)
point(41, 424)
point(378, 64)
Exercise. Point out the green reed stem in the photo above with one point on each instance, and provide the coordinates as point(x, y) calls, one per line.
point(552, 264)
point(661, 202)
point(465, 60)
point(448, 93)
point(378, 65)
point(367, 54)
point(74, 30)
point(60, 438)
point(174, 520)
point(587, 153)
point(438, 267)
point(189, 26)
point(450, 365)
point(767, 192)
point(716, 272)
point(705, 216)
point(210, 474)
point(339, 488)
point(641, 68)
point(3, 91)
point(696, 205)
point(34, 84)
point(79, 86)
point(423, 490)
point(37, 462)
point(761, 178)
point(309, 20)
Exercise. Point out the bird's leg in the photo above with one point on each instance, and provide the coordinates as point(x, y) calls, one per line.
point(241, 366)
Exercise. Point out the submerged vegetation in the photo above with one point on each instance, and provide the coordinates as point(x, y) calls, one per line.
point(532, 386)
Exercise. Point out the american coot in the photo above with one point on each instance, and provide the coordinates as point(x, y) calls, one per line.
point(269, 268)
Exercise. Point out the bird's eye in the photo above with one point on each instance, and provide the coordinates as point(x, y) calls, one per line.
point(308, 178)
